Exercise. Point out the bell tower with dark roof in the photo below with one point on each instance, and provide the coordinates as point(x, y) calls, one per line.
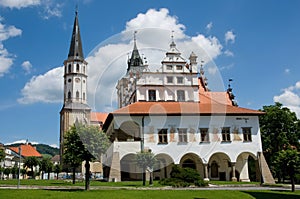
point(75, 108)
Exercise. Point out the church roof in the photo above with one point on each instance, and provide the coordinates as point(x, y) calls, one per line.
point(135, 59)
point(75, 52)
point(76, 106)
point(26, 150)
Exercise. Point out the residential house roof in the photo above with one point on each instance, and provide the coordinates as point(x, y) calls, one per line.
point(26, 150)
point(98, 117)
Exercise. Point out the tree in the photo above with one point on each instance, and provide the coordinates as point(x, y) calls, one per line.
point(23, 172)
point(14, 171)
point(73, 147)
point(7, 171)
point(2, 157)
point(31, 162)
point(46, 166)
point(85, 143)
point(57, 170)
point(2, 154)
point(289, 161)
point(279, 129)
point(146, 160)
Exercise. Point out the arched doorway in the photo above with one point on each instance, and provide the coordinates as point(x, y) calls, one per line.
point(193, 161)
point(128, 131)
point(219, 167)
point(247, 165)
point(214, 170)
point(163, 167)
point(129, 169)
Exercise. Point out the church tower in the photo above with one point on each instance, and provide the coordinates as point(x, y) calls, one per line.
point(127, 86)
point(75, 108)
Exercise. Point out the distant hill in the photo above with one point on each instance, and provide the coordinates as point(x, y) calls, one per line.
point(43, 149)
point(46, 149)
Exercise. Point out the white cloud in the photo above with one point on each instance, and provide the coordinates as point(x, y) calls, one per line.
point(290, 98)
point(228, 53)
point(44, 88)
point(51, 8)
point(19, 3)
point(26, 65)
point(107, 63)
point(229, 37)
point(6, 59)
point(209, 26)
point(21, 142)
point(157, 19)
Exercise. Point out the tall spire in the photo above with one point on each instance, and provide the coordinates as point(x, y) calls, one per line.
point(135, 59)
point(75, 52)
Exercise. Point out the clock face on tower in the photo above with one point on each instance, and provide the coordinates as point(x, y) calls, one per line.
point(77, 80)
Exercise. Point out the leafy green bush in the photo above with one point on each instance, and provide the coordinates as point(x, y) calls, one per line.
point(183, 177)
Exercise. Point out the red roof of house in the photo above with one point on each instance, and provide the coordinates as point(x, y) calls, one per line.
point(98, 117)
point(26, 150)
point(183, 108)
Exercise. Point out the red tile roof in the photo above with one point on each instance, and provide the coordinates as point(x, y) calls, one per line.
point(98, 117)
point(183, 108)
point(26, 150)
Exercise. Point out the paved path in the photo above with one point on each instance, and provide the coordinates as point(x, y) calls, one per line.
point(211, 187)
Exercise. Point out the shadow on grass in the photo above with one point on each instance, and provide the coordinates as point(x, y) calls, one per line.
point(66, 190)
point(273, 194)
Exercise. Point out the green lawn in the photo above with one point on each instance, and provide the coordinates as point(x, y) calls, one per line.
point(133, 194)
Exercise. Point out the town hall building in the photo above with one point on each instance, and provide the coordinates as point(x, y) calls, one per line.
point(172, 113)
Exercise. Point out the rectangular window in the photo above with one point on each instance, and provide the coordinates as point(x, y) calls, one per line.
point(179, 80)
point(163, 136)
point(178, 67)
point(169, 79)
point(152, 95)
point(247, 134)
point(169, 67)
point(226, 134)
point(180, 96)
point(182, 135)
point(204, 134)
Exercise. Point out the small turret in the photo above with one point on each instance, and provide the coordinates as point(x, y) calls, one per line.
point(230, 93)
point(193, 61)
point(135, 59)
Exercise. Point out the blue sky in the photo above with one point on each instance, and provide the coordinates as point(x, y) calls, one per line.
point(256, 43)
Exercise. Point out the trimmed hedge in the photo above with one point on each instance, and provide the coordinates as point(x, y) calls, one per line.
point(183, 177)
